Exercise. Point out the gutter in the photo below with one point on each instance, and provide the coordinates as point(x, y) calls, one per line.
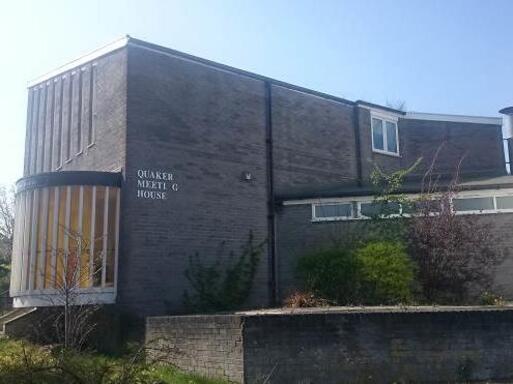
point(271, 202)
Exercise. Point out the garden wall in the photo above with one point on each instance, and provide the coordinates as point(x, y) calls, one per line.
point(341, 345)
point(209, 345)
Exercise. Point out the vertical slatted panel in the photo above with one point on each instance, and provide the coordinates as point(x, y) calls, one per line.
point(49, 239)
point(28, 133)
point(72, 138)
point(41, 239)
point(93, 241)
point(59, 110)
point(91, 127)
point(78, 135)
point(66, 118)
point(56, 231)
point(105, 237)
point(33, 131)
point(41, 133)
point(25, 228)
point(17, 243)
point(48, 144)
point(116, 250)
point(31, 265)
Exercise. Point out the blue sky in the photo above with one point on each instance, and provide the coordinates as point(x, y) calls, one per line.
point(449, 56)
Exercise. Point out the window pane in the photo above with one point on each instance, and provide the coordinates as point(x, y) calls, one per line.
point(505, 202)
point(473, 204)
point(86, 235)
point(98, 236)
point(376, 209)
point(111, 237)
point(391, 136)
point(333, 210)
point(377, 134)
point(423, 206)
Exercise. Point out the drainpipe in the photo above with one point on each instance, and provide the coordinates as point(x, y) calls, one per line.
point(507, 133)
point(358, 149)
point(271, 203)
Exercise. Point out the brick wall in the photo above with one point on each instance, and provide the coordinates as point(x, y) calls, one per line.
point(208, 345)
point(313, 141)
point(207, 127)
point(344, 345)
point(479, 146)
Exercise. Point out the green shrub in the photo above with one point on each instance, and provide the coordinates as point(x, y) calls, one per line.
point(386, 273)
point(331, 274)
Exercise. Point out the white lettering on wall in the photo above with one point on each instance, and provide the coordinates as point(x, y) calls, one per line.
point(155, 185)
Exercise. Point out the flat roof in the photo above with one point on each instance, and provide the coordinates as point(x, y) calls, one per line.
point(128, 40)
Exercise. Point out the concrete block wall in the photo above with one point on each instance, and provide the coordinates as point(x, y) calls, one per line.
point(342, 345)
point(207, 345)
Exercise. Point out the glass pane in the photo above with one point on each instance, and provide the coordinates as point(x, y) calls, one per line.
point(424, 206)
point(86, 236)
point(473, 204)
point(49, 239)
point(111, 237)
point(333, 210)
point(98, 236)
point(61, 232)
point(505, 202)
point(391, 137)
point(377, 134)
point(377, 209)
point(41, 238)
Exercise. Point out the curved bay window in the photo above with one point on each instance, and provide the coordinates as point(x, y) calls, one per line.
point(66, 238)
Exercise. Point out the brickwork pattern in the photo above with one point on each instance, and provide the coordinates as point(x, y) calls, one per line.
point(375, 345)
point(208, 345)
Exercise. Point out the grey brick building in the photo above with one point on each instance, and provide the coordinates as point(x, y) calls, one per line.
point(138, 156)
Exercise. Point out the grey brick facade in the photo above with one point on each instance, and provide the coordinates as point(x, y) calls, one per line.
point(233, 142)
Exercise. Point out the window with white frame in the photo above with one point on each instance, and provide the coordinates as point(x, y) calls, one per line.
point(385, 138)
point(467, 202)
point(332, 211)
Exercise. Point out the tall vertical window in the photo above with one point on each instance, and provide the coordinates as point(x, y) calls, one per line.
point(384, 136)
point(65, 234)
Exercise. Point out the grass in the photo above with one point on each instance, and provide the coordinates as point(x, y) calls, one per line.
point(24, 363)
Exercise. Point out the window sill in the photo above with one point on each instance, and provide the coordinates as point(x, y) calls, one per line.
point(381, 152)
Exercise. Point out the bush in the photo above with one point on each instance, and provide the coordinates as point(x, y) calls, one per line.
point(379, 272)
point(331, 274)
point(386, 273)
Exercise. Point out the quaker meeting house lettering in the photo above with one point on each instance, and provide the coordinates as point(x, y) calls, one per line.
point(155, 185)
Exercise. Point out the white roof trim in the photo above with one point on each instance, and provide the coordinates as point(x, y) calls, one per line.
point(119, 43)
point(453, 118)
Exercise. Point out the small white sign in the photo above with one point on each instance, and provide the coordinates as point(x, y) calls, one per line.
point(155, 184)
